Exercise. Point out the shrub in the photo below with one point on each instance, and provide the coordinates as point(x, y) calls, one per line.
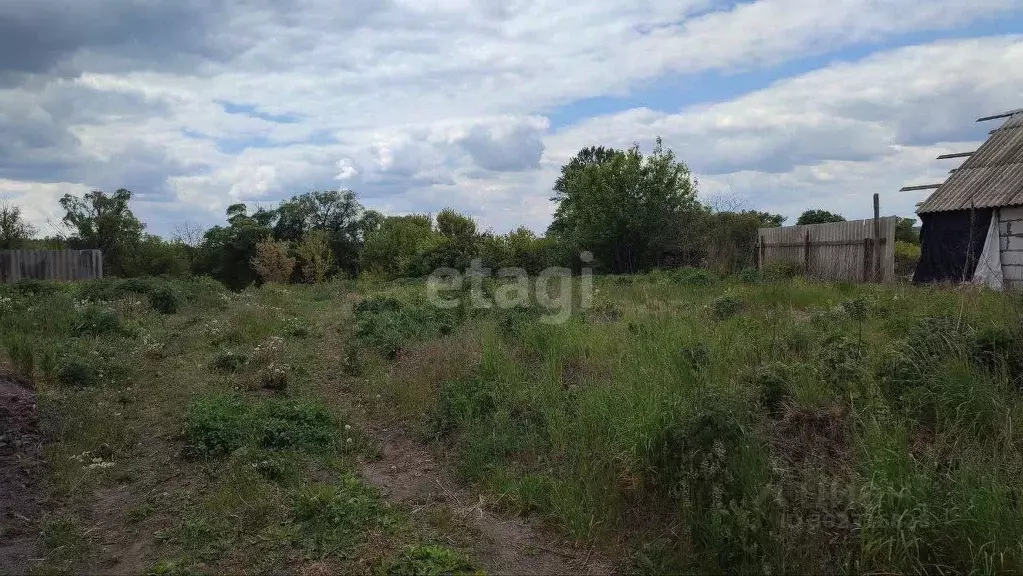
point(33, 287)
point(937, 337)
point(856, 308)
point(842, 361)
point(464, 401)
point(774, 388)
point(430, 560)
point(95, 320)
point(215, 426)
point(782, 270)
point(352, 363)
point(76, 372)
point(998, 348)
point(749, 275)
point(229, 361)
point(98, 290)
point(333, 518)
point(164, 300)
point(907, 255)
point(19, 352)
point(707, 466)
point(274, 377)
point(693, 276)
point(696, 356)
point(376, 304)
point(134, 286)
point(388, 325)
point(272, 263)
point(316, 257)
point(724, 307)
point(294, 425)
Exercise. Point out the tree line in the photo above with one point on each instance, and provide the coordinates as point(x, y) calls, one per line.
point(633, 212)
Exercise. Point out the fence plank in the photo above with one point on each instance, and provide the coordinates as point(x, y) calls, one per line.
point(836, 250)
point(60, 265)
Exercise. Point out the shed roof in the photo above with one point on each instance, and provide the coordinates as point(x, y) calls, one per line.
point(991, 177)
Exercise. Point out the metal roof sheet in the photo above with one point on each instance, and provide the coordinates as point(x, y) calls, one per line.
point(991, 177)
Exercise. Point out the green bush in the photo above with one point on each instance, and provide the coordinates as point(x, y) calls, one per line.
point(774, 388)
point(215, 426)
point(462, 402)
point(693, 276)
point(229, 361)
point(95, 320)
point(139, 286)
point(37, 288)
point(377, 304)
point(708, 466)
point(98, 290)
point(907, 255)
point(749, 275)
point(333, 519)
point(696, 356)
point(724, 307)
point(387, 325)
point(164, 300)
point(430, 560)
point(219, 425)
point(998, 348)
point(76, 373)
point(294, 425)
point(842, 362)
point(782, 270)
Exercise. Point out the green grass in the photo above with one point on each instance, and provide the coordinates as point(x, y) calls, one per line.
point(755, 424)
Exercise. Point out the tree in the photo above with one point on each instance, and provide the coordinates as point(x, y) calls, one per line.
point(105, 222)
point(818, 217)
point(766, 219)
point(14, 230)
point(272, 262)
point(906, 231)
point(397, 247)
point(226, 252)
point(453, 225)
point(337, 212)
point(315, 255)
point(626, 208)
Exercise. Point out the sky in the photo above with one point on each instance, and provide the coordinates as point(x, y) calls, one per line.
point(418, 105)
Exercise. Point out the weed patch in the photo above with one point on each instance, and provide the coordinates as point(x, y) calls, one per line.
point(333, 518)
point(430, 560)
point(219, 425)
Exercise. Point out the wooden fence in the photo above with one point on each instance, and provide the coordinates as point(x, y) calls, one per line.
point(64, 265)
point(853, 251)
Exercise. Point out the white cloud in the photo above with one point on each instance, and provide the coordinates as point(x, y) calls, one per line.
point(440, 103)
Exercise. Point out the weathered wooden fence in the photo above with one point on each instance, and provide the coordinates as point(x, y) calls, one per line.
point(62, 265)
point(854, 251)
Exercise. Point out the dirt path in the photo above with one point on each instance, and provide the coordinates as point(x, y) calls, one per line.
point(408, 474)
point(20, 461)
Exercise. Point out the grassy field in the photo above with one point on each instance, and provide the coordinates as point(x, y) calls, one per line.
point(682, 423)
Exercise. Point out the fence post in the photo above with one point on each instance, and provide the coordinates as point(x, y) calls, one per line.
point(806, 254)
point(763, 254)
point(877, 239)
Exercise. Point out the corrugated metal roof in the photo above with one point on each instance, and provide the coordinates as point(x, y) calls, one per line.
point(992, 177)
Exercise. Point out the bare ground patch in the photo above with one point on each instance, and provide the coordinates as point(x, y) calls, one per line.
point(408, 474)
point(20, 463)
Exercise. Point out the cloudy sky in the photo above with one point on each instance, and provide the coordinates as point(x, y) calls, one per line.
point(475, 104)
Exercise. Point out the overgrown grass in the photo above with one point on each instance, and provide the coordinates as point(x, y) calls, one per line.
point(750, 424)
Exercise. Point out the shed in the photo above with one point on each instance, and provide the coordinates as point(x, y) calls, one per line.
point(972, 225)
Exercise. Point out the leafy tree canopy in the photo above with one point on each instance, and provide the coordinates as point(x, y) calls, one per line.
point(818, 217)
